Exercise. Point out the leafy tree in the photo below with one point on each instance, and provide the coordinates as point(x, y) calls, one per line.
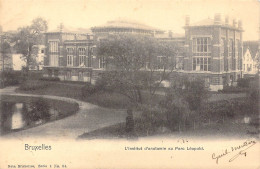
point(195, 93)
point(133, 63)
point(27, 37)
point(5, 50)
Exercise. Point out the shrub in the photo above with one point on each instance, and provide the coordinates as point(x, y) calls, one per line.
point(151, 119)
point(233, 89)
point(243, 82)
point(50, 79)
point(194, 93)
point(32, 85)
point(10, 78)
point(88, 90)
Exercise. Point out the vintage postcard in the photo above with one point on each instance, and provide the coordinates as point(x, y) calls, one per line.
point(129, 84)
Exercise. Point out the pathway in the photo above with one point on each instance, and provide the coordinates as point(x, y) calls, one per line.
point(89, 117)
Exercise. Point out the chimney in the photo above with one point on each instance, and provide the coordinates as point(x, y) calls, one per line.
point(240, 25)
point(217, 19)
point(234, 22)
point(187, 20)
point(227, 21)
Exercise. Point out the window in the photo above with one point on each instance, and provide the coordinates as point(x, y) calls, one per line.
point(53, 46)
point(81, 76)
point(69, 56)
point(161, 60)
point(230, 48)
point(54, 60)
point(102, 62)
point(201, 64)
point(42, 51)
point(82, 54)
point(201, 46)
point(68, 76)
point(179, 63)
point(222, 47)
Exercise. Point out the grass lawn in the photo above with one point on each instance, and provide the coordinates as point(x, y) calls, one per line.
point(232, 125)
point(101, 98)
point(230, 129)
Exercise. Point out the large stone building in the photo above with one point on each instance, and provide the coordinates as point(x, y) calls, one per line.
point(211, 49)
point(71, 55)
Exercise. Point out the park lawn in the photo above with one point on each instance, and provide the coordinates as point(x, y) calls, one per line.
point(101, 98)
point(227, 129)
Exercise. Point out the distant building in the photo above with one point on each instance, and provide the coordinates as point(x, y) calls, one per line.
point(250, 57)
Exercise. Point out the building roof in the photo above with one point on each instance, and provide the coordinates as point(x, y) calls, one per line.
point(253, 47)
point(211, 22)
point(68, 29)
point(204, 22)
point(169, 35)
point(126, 23)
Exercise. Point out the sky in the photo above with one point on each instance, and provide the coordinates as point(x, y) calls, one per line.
point(162, 14)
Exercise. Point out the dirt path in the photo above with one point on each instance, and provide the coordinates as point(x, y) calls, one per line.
point(89, 117)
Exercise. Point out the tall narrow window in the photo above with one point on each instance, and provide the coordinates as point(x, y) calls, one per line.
point(102, 62)
point(82, 55)
point(222, 47)
point(54, 57)
point(69, 56)
point(201, 48)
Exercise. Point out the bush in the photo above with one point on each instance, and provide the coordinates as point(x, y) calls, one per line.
point(194, 93)
point(88, 90)
point(243, 82)
point(32, 85)
point(233, 89)
point(10, 78)
point(50, 79)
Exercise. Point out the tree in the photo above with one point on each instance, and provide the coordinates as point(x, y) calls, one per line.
point(5, 49)
point(27, 37)
point(134, 62)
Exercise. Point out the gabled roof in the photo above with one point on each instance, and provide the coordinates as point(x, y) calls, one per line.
point(253, 47)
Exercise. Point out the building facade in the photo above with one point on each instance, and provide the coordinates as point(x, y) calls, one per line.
point(69, 56)
point(213, 51)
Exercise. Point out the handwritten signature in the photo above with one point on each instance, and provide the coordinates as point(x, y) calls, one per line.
point(241, 149)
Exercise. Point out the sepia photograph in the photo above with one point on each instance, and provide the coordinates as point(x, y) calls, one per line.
point(129, 84)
